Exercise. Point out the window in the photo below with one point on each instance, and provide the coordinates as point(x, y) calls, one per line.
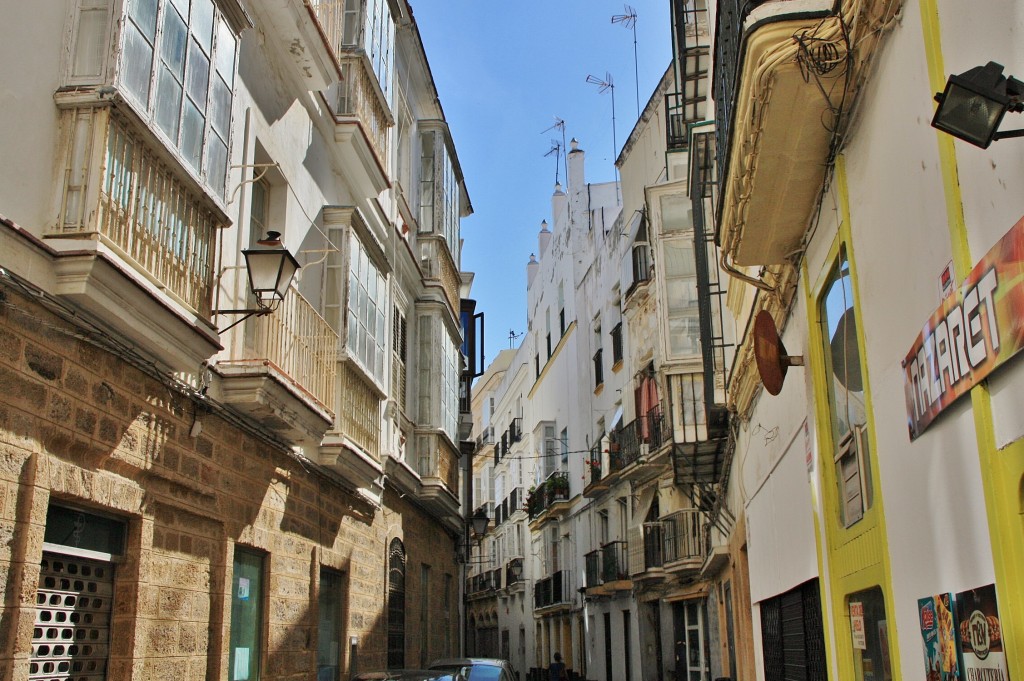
point(845, 388)
point(683, 319)
point(367, 301)
point(424, 615)
point(187, 51)
point(617, 343)
point(598, 368)
point(259, 211)
point(549, 449)
point(870, 632)
point(396, 605)
point(561, 309)
point(331, 626)
point(398, 359)
point(439, 190)
point(547, 317)
point(446, 606)
point(379, 43)
point(246, 616)
point(450, 387)
point(564, 440)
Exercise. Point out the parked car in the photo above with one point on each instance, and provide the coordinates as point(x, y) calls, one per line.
point(409, 675)
point(477, 668)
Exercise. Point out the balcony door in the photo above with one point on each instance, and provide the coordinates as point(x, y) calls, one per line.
point(689, 619)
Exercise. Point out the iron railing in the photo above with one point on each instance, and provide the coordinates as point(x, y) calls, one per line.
point(614, 561)
point(617, 343)
point(685, 534)
point(646, 433)
point(554, 488)
point(552, 590)
point(593, 568)
point(594, 463)
point(654, 545)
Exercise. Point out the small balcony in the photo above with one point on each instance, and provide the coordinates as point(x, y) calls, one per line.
point(438, 467)
point(548, 495)
point(597, 482)
point(593, 568)
point(640, 439)
point(776, 119)
point(439, 268)
point(484, 583)
point(686, 540)
point(135, 234)
point(552, 591)
point(614, 562)
point(513, 573)
point(286, 373)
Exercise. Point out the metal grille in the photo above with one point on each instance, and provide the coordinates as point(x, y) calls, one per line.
point(792, 636)
point(396, 605)
point(71, 633)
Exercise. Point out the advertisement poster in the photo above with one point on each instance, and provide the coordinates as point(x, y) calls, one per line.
point(981, 636)
point(976, 329)
point(938, 629)
point(860, 639)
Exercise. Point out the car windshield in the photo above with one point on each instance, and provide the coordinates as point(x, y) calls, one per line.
point(408, 675)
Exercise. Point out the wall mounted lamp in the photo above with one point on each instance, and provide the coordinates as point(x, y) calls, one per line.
point(271, 268)
point(973, 103)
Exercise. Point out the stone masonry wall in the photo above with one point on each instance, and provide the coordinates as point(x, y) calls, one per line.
point(79, 426)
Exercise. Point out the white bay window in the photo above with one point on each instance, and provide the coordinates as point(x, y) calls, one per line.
point(367, 308)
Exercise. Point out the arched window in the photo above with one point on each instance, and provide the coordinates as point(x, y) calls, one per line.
point(396, 605)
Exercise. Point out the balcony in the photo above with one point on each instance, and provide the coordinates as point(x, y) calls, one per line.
point(703, 446)
point(512, 503)
point(133, 234)
point(302, 29)
point(552, 591)
point(686, 540)
point(597, 482)
point(286, 374)
point(779, 106)
point(551, 495)
point(637, 442)
point(439, 268)
point(361, 122)
point(513, 572)
point(438, 467)
point(607, 569)
point(485, 583)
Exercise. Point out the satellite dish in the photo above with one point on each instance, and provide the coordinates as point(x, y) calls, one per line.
point(770, 353)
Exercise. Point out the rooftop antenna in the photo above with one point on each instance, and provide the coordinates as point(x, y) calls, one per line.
point(628, 20)
point(559, 125)
point(556, 149)
point(513, 337)
point(604, 86)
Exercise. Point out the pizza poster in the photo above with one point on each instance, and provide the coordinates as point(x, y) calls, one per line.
point(938, 630)
point(981, 635)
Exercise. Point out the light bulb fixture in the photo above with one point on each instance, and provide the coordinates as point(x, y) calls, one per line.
point(974, 102)
point(271, 268)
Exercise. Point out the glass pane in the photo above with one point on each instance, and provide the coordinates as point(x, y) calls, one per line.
point(144, 14)
point(136, 64)
point(198, 75)
point(172, 46)
point(225, 53)
point(328, 657)
point(90, 43)
point(217, 164)
point(182, 6)
point(192, 135)
point(246, 616)
point(202, 22)
point(679, 259)
point(220, 108)
point(842, 355)
point(168, 104)
point(676, 213)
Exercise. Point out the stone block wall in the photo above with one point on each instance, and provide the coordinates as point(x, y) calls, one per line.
point(81, 427)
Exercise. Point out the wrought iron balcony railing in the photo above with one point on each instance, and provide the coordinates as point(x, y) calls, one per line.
point(614, 561)
point(554, 488)
point(593, 568)
point(647, 433)
point(594, 463)
point(552, 590)
point(685, 534)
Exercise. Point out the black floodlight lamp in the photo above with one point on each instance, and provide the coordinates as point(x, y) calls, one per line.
point(973, 103)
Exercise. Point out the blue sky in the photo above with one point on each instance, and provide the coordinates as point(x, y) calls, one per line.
point(504, 72)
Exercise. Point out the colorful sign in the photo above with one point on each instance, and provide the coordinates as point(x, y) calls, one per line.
point(975, 330)
point(981, 635)
point(860, 639)
point(938, 629)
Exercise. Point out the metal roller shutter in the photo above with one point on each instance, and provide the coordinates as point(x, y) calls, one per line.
point(73, 606)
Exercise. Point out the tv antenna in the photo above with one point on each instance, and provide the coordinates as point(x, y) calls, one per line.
point(556, 149)
point(513, 337)
point(603, 86)
point(559, 125)
point(628, 20)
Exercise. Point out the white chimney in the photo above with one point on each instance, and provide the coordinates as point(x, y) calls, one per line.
point(543, 239)
point(532, 268)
